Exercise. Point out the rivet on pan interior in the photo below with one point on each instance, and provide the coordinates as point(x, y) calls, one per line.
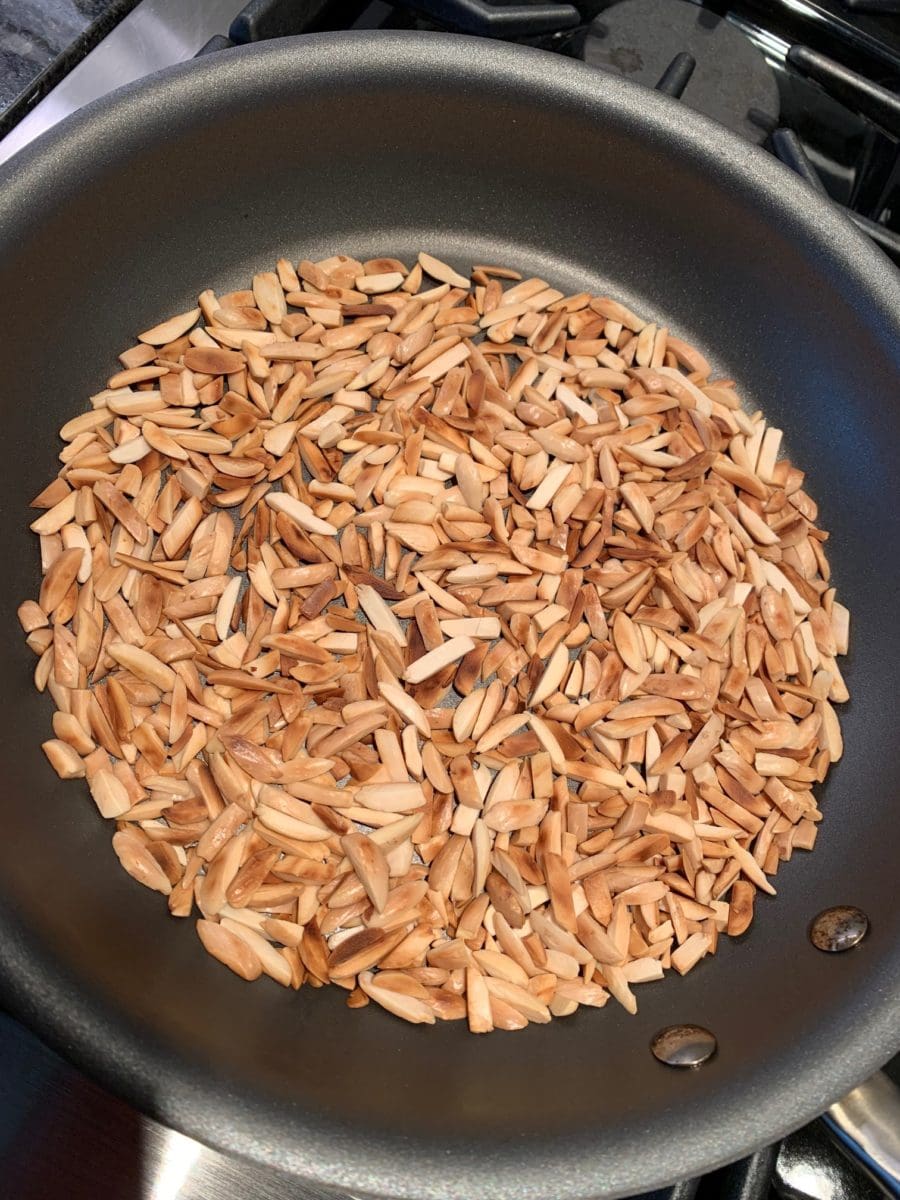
point(683, 1045)
point(839, 928)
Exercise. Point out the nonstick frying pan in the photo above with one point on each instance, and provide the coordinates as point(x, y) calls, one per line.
point(477, 151)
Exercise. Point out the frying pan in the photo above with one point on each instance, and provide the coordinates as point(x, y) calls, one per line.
point(477, 151)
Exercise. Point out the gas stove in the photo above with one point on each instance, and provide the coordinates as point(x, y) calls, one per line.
point(816, 82)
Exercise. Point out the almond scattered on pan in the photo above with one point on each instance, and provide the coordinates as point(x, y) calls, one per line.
point(456, 641)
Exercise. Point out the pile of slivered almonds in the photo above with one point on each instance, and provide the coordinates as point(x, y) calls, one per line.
point(452, 640)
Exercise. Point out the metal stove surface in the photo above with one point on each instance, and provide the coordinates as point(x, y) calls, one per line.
point(154, 34)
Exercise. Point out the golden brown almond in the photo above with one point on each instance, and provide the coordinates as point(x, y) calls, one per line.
point(410, 658)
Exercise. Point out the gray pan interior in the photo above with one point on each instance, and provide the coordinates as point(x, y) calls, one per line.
point(478, 151)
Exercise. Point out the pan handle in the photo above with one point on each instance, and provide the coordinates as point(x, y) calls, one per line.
point(866, 1126)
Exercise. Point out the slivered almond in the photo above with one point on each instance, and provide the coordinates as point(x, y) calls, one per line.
point(391, 797)
point(380, 613)
point(232, 951)
point(510, 815)
point(690, 952)
point(740, 909)
point(122, 509)
point(301, 514)
point(429, 664)
point(473, 627)
point(361, 951)
point(133, 450)
point(213, 361)
point(500, 731)
point(478, 1002)
point(439, 270)
point(370, 865)
point(553, 675)
point(566, 449)
point(109, 793)
point(636, 499)
point(59, 578)
point(64, 759)
point(372, 285)
point(469, 481)
point(627, 641)
point(549, 741)
point(143, 664)
point(225, 607)
point(269, 297)
point(454, 672)
point(520, 998)
point(750, 867)
point(170, 330)
point(406, 706)
point(755, 525)
point(409, 1008)
point(136, 859)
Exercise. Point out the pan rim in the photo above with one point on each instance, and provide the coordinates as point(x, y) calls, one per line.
point(376, 1164)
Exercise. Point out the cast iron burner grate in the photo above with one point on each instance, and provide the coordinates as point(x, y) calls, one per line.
point(731, 80)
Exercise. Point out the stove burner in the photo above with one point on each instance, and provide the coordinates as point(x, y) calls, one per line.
point(638, 39)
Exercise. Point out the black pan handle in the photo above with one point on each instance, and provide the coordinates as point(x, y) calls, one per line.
point(866, 1125)
point(505, 21)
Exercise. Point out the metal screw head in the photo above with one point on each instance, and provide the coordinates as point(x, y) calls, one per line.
point(837, 929)
point(683, 1046)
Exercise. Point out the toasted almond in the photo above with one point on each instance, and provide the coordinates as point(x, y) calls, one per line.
point(370, 865)
point(137, 860)
point(231, 950)
point(170, 330)
point(208, 360)
point(534, 670)
point(429, 664)
point(379, 613)
point(406, 706)
point(300, 513)
point(439, 270)
point(143, 664)
point(59, 578)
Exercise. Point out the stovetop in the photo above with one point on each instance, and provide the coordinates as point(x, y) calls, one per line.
point(40, 41)
point(817, 82)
